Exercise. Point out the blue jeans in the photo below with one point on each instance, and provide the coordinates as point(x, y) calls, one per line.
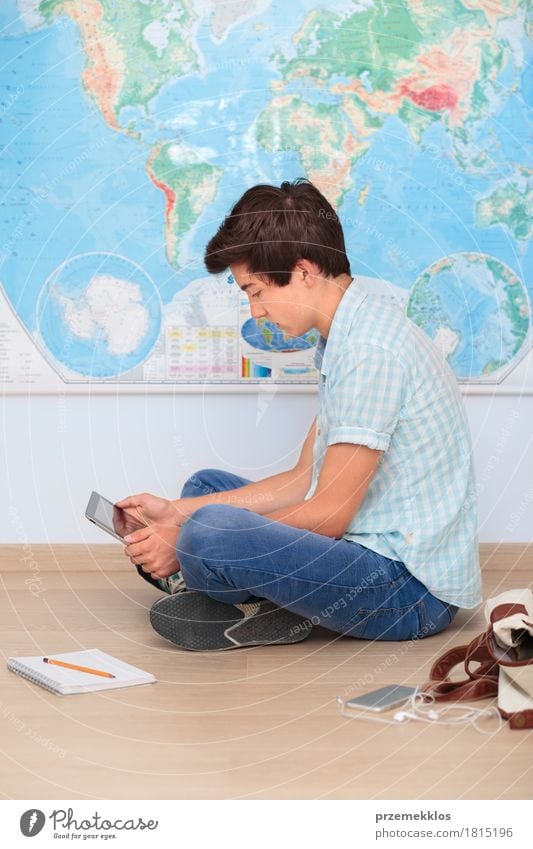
point(232, 555)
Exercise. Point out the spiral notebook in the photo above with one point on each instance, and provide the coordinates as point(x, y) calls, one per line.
point(64, 682)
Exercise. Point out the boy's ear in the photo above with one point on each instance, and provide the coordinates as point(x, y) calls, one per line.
point(308, 270)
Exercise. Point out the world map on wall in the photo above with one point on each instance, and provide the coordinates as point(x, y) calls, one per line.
point(128, 130)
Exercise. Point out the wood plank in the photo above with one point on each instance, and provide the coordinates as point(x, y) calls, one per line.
point(68, 557)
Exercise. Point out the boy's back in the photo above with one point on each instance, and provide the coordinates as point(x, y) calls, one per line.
point(384, 384)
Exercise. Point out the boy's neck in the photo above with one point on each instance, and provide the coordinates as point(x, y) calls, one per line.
point(333, 293)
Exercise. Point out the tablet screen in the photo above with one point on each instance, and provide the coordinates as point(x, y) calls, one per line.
point(113, 518)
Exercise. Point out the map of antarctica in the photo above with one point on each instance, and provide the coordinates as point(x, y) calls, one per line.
point(128, 130)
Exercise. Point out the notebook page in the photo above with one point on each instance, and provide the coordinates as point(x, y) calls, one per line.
point(66, 681)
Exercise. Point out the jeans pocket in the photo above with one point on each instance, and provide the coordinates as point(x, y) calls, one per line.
point(388, 623)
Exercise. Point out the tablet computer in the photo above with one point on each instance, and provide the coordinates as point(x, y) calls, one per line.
point(111, 518)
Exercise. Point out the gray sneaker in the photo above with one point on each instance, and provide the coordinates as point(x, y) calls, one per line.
point(193, 621)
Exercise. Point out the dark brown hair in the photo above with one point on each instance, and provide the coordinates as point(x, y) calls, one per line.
point(271, 229)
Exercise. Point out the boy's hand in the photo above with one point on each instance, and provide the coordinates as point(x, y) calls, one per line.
point(150, 508)
point(154, 549)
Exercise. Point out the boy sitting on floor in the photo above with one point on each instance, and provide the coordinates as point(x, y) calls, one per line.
point(372, 534)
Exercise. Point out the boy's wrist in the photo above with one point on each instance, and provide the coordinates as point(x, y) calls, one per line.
point(180, 511)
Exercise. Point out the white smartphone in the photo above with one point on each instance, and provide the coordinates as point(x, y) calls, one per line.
point(111, 518)
point(383, 699)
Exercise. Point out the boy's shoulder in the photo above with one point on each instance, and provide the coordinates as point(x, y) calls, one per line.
point(374, 319)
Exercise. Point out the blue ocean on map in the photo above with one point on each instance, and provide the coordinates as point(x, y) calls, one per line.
point(71, 196)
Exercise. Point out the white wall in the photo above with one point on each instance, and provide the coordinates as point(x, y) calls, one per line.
point(55, 450)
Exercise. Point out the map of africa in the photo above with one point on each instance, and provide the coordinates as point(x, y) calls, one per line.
point(128, 130)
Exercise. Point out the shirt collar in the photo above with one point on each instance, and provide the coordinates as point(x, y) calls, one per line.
point(340, 326)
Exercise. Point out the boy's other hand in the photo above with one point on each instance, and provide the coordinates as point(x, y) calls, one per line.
point(150, 508)
point(154, 549)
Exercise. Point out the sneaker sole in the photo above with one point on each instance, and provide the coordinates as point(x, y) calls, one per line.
point(196, 622)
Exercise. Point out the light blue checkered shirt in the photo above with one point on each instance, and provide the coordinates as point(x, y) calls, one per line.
point(384, 384)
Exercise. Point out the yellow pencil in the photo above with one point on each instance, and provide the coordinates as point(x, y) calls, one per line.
point(78, 668)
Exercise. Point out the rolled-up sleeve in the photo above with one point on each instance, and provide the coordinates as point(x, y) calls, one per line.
point(365, 394)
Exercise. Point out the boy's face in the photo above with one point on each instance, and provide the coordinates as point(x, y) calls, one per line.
point(290, 307)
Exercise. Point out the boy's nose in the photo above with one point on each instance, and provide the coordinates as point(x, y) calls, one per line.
point(257, 311)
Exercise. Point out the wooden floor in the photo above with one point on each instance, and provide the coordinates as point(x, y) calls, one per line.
point(254, 723)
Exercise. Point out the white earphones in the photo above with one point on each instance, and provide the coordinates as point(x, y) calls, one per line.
point(401, 715)
point(421, 708)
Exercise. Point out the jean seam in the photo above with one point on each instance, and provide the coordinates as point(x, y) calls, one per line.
point(282, 577)
point(423, 622)
point(197, 483)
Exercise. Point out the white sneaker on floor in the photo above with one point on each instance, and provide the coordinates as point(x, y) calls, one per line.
point(173, 584)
